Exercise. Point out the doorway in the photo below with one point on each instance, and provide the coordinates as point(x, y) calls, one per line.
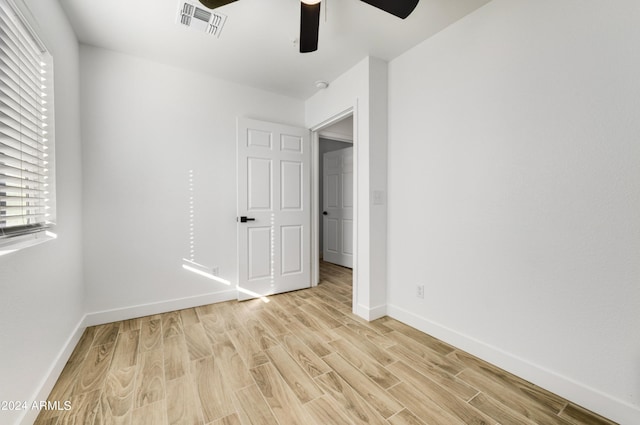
point(334, 135)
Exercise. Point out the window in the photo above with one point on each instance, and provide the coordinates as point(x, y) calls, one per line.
point(27, 188)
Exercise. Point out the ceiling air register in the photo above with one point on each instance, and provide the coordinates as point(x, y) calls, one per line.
point(200, 19)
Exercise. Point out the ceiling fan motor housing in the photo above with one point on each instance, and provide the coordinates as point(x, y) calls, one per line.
point(309, 26)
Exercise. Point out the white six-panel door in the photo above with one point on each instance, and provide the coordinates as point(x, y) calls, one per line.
point(338, 207)
point(274, 183)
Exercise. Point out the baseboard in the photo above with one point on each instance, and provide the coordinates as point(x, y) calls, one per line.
point(372, 313)
point(116, 315)
point(578, 393)
point(29, 417)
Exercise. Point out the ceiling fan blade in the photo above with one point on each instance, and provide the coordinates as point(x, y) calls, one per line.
point(399, 8)
point(212, 4)
point(309, 27)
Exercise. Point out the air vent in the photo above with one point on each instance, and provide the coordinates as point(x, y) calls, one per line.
point(197, 18)
point(187, 9)
point(203, 15)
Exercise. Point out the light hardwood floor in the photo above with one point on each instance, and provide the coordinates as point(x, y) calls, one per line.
point(302, 358)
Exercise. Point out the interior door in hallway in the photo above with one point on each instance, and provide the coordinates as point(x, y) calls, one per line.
point(274, 208)
point(337, 212)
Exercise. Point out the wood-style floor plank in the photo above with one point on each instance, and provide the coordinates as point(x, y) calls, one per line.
point(131, 325)
point(374, 351)
point(228, 313)
point(378, 398)
point(355, 407)
point(176, 357)
point(171, 325)
point(298, 380)
point(189, 317)
point(302, 358)
point(324, 411)
point(117, 400)
point(497, 411)
point(248, 349)
point(94, 369)
point(183, 407)
point(150, 335)
point(305, 357)
point(213, 325)
point(424, 339)
point(260, 334)
point(252, 408)
point(316, 326)
point(458, 408)
point(516, 402)
point(374, 370)
point(197, 341)
point(445, 379)
point(577, 416)
point(405, 417)
point(422, 353)
point(275, 326)
point(106, 334)
point(519, 386)
point(234, 370)
point(125, 354)
point(150, 379)
point(51, 420)
point(150, 414)
point(228, 420)
point(283, 402)
point(84, 410)
point(423, 407)
point(215, 397)
point(321, 316)
point(311, 339)
point(379, 324)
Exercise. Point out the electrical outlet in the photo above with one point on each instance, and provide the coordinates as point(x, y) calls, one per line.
point(420, 291)
point(215, 271)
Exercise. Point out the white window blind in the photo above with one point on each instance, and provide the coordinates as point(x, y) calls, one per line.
point(27, 201)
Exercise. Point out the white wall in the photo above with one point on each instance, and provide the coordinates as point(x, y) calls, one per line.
point(363, 89)
point(145, 126)
point(513, 144)
point(41, 292)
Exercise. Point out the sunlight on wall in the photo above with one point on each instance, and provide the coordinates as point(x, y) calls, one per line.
point(201, 270)
point(273, 248)
point(192, 251)
point(190, 263)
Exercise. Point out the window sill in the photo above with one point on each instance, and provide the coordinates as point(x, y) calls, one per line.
point(21, 242)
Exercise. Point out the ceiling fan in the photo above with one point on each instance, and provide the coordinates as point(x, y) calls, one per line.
point(310, 16)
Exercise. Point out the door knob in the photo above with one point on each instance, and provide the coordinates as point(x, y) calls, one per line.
point(325, 213)
point(244, 219)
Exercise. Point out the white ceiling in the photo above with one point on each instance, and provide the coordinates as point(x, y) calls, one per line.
point(257, 46)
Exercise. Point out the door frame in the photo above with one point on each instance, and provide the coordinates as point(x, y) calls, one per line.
point(315, 196)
